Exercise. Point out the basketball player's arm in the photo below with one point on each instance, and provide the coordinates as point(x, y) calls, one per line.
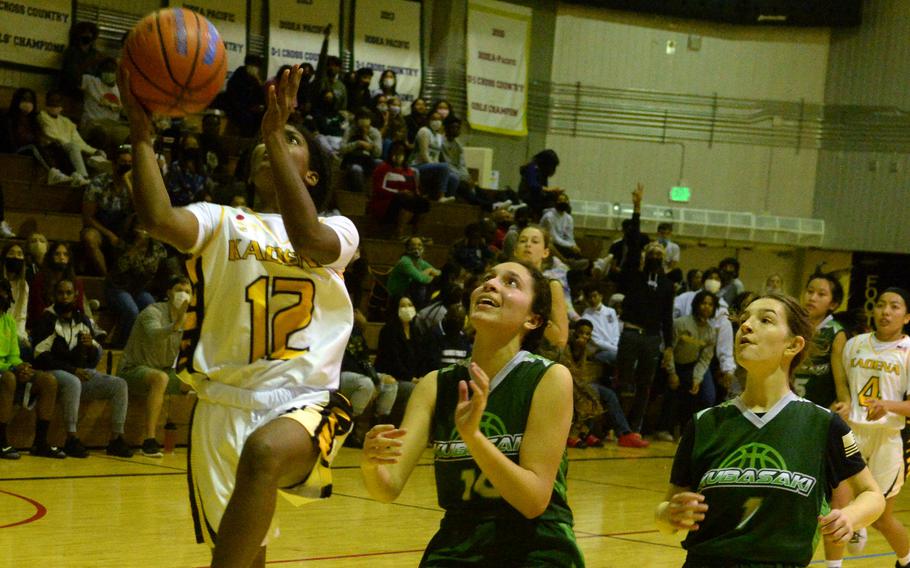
point(390, 455)
point(557, 331)
point(863, 510)
point(837, 368)
point(528, 485)
point(308, 236)
point(173, 225)
point(681, 509)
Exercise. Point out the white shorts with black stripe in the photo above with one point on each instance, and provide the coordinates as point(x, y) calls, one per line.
point(883, 450)
point(217, 436)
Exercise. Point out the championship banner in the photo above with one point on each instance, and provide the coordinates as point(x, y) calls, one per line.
point(387, 36)
point(35, 32)
point(498, 44)
point(229, 16)
point(871, 274)
point(296, 28)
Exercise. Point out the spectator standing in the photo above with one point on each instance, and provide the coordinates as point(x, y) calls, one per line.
point(411, 275)
point(65, 345)
point(396, 197)
point(732, 286)
point(328, 73)
point(361, 148)
point(64, 139)
point(79, 58)
point(244, 96)
point(101, 123)
point(620, 247)
point(106, 208)
point(148, 359)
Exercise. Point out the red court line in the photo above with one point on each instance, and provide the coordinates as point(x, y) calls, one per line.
point(40, 510)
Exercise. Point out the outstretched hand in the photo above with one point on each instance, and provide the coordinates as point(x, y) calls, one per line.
point(140, 121)
point(469, 411)
point(638, 193)
point(281, 101)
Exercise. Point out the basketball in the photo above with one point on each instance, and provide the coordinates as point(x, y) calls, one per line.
point(176, 62)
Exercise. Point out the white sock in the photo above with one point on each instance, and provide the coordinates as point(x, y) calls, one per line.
point(905, 561)
point(835, 563)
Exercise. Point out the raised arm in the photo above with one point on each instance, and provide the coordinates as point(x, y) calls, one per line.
point(557, 331)
point(632, 261)
point(173, 225)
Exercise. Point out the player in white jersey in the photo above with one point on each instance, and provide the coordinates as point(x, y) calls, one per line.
point(266, 330)
point(878, 378)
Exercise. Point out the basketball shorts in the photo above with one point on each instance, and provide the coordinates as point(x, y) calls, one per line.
point(883, 450)
point(217, 436)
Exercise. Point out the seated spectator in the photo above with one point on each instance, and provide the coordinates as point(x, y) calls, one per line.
point(453, 155)
point(687, 363)
point(58, 264)
point(433, 313)
point(126, 288)
point(244, 97)
point(732, 286)
point(148, 360)
point(388, 84)
point(399, 351)
point(665, 237)
point(417, 118)
point(472, 252)
point(437, 180)
point(106, 208)
point(443, 108)
point(305, 93)
point(411, 276)
point(398, 128)
point(65, 345)
point(447, 343)
point(605, 336)
point(559, 222)
point(37, 250)
point(211, 145)
point(358, 90)
point(361, 148)
point(693, 280)
point(774, 284)
point(23, 385)
point(381, 115)
point(63, 139)
point(101, 122)
point(79, 58)
point(187, 178)
point(20, 133)
point(14, 274)
point(396, 197)
point(330, 123)
point(534, 189)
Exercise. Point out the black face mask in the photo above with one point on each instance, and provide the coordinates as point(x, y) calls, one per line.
point(5, 303)
point(62, 308)
point(653, 264)
point(563, 207)
point(122, 169)
point(60, 266)
point(86, 40)
point(451, 327)
point(14, 265)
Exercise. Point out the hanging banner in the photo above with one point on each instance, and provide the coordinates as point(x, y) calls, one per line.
point(296, 31)
point(387, 36)
point(35, 32)
point(498, 44)
point(871, 274)
point(229, 16)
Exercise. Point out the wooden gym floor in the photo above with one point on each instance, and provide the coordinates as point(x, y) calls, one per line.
point(112, 512)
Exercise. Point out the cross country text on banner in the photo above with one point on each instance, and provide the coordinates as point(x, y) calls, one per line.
point(229, 17)
point(295, 31)
point(35, 32)
point(387, 36)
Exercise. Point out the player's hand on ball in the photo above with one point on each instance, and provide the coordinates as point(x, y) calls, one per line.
point(140, 121)
point(281, 102)
point(836, 526)
point(382, 444)
point(469, 411)
point(686, 509)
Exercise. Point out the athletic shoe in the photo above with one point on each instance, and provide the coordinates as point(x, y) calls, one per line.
point(576, 443)
point(446, 199)
point(857, 542)
point(79, 180)
point(593, 441)
point(6, 231)
point(664, 436)
point(47, 451)
point(118, 447)
point(632, 440)
point(501, 204)
point(151, 449)
point(56, 177)
point(9, 453)
point(74, 448)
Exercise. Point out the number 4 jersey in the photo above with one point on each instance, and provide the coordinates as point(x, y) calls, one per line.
point(267, 326)
point(877, 370)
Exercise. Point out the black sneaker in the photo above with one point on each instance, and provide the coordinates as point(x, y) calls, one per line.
point(151, 449)
point(9, 453)
point(47, 451)
point(118, 447)
point(74, 448)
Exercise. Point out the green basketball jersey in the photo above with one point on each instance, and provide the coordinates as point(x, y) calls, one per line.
point(813, 379)
point(764, 480)
point(460, 484)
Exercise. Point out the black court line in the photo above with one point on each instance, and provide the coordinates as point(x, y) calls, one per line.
point(620, 458)
point(617, 485)
point(422, 507)
point(149, 464)
point(92, 476)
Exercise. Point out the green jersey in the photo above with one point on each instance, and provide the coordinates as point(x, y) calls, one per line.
point(813, 379)
point(480, 527)
point(765, 479)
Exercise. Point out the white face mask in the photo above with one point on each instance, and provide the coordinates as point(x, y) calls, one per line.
point(436, 125)
point(712, 285)
point(407, 313)
point(443, 112)
point(388, 82)
point(395, 109)
point(179, 299)
point(382, 108)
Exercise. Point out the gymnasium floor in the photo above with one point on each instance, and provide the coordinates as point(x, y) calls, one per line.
point(111, 512)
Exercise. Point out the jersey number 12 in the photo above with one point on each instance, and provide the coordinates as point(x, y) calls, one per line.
point(269, 332)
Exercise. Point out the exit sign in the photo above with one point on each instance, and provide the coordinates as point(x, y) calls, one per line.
point(680, 194)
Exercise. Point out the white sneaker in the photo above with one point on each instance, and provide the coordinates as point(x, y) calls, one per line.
point(501, 204)
point(55, 177)
point(446, 199)
point(6, 231)
point(857, 542)
point(79, 180)
point(664, 436)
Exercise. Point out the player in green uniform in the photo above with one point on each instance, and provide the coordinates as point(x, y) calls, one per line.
point(752, 477)
point(498, 428)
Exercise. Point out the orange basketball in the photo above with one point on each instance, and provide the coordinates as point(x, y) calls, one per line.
point(176, 61)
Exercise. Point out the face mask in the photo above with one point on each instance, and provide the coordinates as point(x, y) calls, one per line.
point(179, 299)
point(60, 266)
point(712, 285)
point(395, 109)
point(436, 124)
point(388, 83)
point(26, 107)
point(382, 108)
point(562, 207)
point(414, 252)
point(14, 265)
point(406, 314)
point(85, 40)
point(63, 307)
point(443, 112)
point(451, 326)
point(37, 249)
point(109, 78)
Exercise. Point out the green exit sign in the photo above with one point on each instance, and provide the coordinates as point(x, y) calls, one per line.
point(680, 194)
